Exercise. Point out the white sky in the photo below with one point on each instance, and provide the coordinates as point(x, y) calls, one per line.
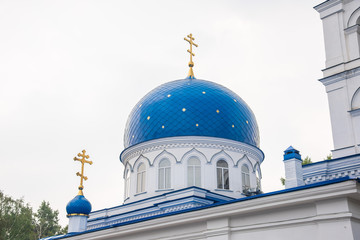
point(71, 71)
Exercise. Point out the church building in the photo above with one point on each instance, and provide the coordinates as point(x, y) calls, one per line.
point(192, 161)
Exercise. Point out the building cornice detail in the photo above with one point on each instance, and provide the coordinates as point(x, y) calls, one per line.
point(190, 142)
point(327, 5)
point(312, 195)
point(340, 76)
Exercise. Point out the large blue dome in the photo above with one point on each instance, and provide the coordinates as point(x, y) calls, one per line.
point(191, 107)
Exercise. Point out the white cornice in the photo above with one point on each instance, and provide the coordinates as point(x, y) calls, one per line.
point(340, 76)
point(327, 5)
point(258, 206)
point(191, 142)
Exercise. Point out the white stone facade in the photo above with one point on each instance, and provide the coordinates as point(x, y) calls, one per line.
point(77, 224)
point(178, 150)
point(293, 173)
point(330, 211)
point(341, 27)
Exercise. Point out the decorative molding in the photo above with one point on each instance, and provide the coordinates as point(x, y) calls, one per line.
point(196, 153)
point(127, 168)
point(327, 5)
point(165, 154)
point(191, 142)
point(245, 158)
point(353, 17)
point(331, 169)
point(352, 29)
point(340, 76)
point(222, 155)
point(257, 168)
point(141, 158)
point(355, 112)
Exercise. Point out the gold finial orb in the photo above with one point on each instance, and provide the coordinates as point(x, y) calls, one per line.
point(83, 160)
point(190, 40)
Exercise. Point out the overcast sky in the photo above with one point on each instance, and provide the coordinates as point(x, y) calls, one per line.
point(71, 71)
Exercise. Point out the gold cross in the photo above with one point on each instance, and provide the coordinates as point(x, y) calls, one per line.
point(191, 63)
point(81, 175)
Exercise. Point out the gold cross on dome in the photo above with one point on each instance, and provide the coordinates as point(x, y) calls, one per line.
point(191, 63)
point(83, 160)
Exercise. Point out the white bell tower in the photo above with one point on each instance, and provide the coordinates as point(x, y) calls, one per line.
point(341, 26)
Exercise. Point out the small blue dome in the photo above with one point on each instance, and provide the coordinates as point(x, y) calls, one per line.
point(78, 205)
point(191, 107)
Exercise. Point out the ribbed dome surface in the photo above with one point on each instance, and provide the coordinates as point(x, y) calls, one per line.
point(78, 205)
point(191, 107)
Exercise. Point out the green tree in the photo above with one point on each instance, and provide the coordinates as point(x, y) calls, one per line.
point(307, 160)
point(15, 219)
point(18, 222)
point(46, 221)
point(328, 157)
point(282, 180)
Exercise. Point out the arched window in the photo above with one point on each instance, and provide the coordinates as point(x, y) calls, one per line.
point(258, 183)
point(222, 171)
point(245, 177)
point(194, 172)
point(141, 178)
point(127, 184)
point(164, 181)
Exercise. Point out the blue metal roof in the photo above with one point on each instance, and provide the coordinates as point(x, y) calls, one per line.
point(78, 205)
point(191, 107)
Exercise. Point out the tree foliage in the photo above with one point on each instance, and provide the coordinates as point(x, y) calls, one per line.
point(19, 222)
point(282, 180)
point(307, 160)
point(15, 219)
point(328, 157)
point(46, 221)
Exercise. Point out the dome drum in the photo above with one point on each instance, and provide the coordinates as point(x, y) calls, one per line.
point(168, 164)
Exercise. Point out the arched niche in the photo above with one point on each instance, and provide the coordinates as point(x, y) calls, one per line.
point(355, 101)
point(222, 155)
point(164, 155)
point(354, 18)
point(193, 153)
point(142, 159)
point(258, 169)
point(246, 160)
point(127, 167)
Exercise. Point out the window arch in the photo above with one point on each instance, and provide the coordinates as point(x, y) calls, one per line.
point(245, 176)
point(194, 172)
point(141, 178)
point(222, 172)
point(355, 101)
point(164, 176)
point(127, 184)
point(258, 182)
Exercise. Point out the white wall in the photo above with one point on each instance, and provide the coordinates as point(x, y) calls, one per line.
point(178, 150)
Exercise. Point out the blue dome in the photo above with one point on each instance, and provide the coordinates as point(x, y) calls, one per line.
point(191, 107)
point(78, 205)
